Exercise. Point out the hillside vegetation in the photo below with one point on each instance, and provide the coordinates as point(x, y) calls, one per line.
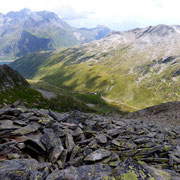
point(15, 89)
point(137, 68)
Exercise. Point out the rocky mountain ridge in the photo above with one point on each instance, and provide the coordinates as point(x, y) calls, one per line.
point(42, 144)
point(162, 114)
point(27, 31)
point(10, 78)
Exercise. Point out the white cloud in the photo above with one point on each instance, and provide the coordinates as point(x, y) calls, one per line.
point(69, 13)
point(117, 14)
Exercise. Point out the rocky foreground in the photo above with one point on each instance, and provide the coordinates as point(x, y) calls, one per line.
point(42, 144)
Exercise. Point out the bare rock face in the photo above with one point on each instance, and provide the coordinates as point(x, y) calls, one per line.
point(89, 172)
point(10, 78)
point(42, 144)
point(23, 169)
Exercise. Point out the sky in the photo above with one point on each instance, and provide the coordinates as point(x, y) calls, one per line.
point(116, 14)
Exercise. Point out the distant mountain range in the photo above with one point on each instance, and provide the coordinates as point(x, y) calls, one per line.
point(26, 31)
point(138, 68)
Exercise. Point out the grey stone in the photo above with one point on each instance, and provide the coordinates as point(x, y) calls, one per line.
point(33, 127)
point(88, 172)
point(75, 151)
point(142, 140)
point(7, 125)
point(101, 138)
point(115, 132)
point(147, 151)
point(26, 115)
point(23, 169)
point(20, 123)
point(97, 155)
point(119, 123)
point(34, 139)
point(56, 152)
point(50, 139)
point(77, 132)
point(69, 142)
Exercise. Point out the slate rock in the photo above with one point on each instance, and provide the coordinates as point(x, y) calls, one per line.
point(97, 155)
point(20, 122)
point(69, 142)
point(7, 124)
point(14, 112)
point(115, 132)
point(119, 123)
point(76, 162)
point(32, 127)
point(56, 152)
point(130, 169)
point(34, 140)
point(142, 140)
point(58, 116)
point(88, 172)
point(25, 115)
point(75, 151)
point(23, 169)
point(147, 151)
point(4, 111)
point(77, 132)
point(7, 147)
point(101, 138)
point(84, 139)
point(50, 139)
point(63, 157)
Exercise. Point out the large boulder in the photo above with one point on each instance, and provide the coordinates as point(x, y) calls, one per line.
point(23, 169)
point(87, 172)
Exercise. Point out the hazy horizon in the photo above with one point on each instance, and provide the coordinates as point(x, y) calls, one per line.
point(115, 14)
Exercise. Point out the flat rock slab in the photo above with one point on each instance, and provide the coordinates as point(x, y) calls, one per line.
point(7, 125)
point(50, 139)
point(101, 138)
point(97, 155)
point(27, 129)
point(87, 172)
point(23, 169)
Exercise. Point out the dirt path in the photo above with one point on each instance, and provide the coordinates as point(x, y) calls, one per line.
point(108, 89)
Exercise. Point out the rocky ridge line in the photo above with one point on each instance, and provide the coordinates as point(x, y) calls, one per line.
point(42, 144)
point(10, 78)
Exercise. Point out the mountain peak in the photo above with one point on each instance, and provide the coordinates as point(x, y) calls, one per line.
point(1, 15)
point(162, 27)
point(160, 30)
point(25, 10)
point(19, 14)
point(40, 25)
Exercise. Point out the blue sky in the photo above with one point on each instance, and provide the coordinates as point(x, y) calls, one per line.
point(116, 14)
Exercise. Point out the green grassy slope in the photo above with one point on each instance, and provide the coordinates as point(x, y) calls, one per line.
point(123, 72)
point(34, 99)
point(94, 101)
point(14, 87)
